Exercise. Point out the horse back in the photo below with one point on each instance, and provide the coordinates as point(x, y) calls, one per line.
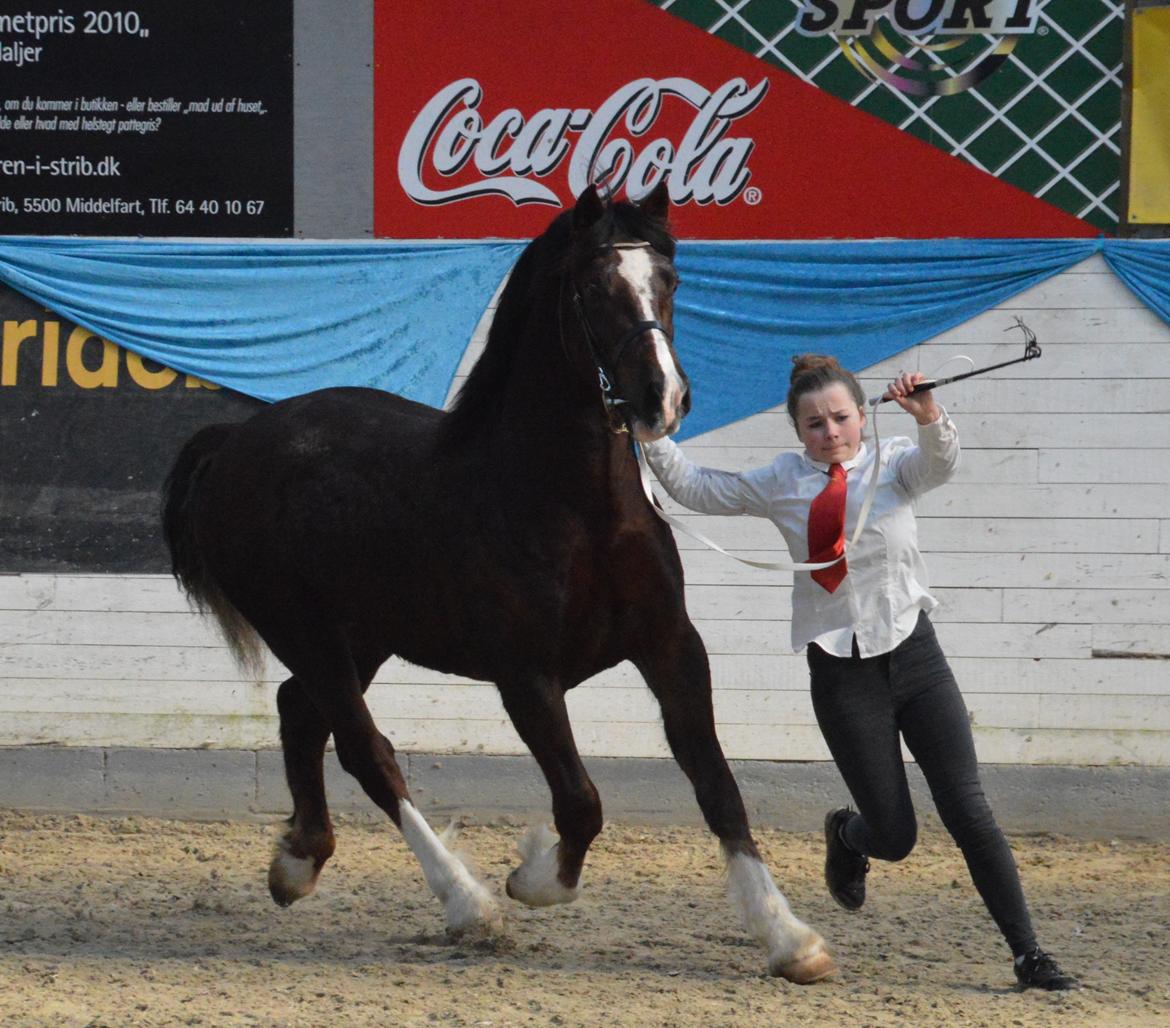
point(316, 485)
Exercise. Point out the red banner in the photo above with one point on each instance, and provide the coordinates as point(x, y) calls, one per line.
point(490, 118)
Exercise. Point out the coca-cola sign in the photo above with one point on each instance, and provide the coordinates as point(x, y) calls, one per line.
point(506, 152)
point(490, 117)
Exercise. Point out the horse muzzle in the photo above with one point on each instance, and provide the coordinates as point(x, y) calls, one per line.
point(664, 406)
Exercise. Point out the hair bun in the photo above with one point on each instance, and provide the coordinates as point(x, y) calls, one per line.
point(803, 363)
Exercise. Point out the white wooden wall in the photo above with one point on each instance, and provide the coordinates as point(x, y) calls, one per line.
point(1050, 552)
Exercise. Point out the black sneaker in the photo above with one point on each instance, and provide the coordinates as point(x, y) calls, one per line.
point(1037, 970)
point(845, 868)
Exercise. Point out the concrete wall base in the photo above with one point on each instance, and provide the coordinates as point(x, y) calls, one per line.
point(1085, 802)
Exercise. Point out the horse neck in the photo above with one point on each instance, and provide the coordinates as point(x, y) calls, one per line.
point(554, 386)
point(552, 417)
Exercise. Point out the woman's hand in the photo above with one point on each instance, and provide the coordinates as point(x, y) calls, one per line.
point(921, 405)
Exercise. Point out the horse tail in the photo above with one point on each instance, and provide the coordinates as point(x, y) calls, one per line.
point(187, 562)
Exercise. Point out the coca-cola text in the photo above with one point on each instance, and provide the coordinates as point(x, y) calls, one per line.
point(511, 152)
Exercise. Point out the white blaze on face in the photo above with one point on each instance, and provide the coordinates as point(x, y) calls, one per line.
point(637, 269)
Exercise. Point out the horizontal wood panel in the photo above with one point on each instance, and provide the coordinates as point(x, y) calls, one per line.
point(1121, 467)
point(187, 631)
point(1090, 571)
point(124, 593)
point(1123, 638)
point(1046, 639)
point(1085, 286)
point(613, 704)
point(1046, 501)
point(97, 627)
point(1033, 637)
point(743, 742)
point(115, 675)
point(1072, 606)
point(1037, 535)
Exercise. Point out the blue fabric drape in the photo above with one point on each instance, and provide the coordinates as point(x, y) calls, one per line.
point(277, 319)
point(1144, 266)
point(273, 320)
point(746, 309)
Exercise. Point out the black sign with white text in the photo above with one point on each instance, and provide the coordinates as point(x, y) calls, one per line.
point(171, 118)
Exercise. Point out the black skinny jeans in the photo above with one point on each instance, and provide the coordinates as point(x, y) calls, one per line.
point(862, 704)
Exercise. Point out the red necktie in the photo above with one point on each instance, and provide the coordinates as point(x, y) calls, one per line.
point(826, 530)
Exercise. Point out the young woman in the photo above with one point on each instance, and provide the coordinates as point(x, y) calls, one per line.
point(876, 668)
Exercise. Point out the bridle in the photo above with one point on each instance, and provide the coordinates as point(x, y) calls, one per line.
point(605, 378)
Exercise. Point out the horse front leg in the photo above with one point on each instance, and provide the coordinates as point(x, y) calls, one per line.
point(551, 867)
point(677, 672)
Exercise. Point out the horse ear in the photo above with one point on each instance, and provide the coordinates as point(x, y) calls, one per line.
point(657, 204)
point(589, 208)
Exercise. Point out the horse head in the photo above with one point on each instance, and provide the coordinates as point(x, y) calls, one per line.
point(622, 280)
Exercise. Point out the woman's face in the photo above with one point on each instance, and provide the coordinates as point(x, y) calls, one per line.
point(829, 423)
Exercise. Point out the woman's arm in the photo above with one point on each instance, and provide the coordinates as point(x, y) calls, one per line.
point(707, 490)
point(934, 460)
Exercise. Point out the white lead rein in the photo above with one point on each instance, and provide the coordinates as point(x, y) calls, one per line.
point(786, 565)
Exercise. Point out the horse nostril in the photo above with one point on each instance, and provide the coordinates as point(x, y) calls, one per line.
point(685, 405)
point(654, 396)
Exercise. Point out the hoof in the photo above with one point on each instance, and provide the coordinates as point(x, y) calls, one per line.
point(812, 967)
point(523, 889)
point(470, 909)
point(535, 882)
point(291, 878)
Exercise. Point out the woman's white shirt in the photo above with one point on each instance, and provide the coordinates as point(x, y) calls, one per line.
point(886, 586)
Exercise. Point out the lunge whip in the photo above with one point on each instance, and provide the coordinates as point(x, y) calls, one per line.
point(1031, 350)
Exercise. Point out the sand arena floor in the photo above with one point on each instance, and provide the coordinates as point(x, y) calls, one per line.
point(133, 921)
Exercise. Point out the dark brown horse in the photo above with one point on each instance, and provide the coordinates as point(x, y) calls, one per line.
point(506, 541)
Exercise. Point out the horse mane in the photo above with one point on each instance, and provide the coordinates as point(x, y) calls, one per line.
point(535, 277)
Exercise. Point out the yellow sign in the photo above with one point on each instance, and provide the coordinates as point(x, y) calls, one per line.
point(91, 362)
point(1149, 148)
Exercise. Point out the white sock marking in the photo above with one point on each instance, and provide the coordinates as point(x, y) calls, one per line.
point(766, 914)
point(535, 881)
point(465, 901)
point(297, 874)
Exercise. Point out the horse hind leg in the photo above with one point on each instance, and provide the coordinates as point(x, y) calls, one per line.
point(307, 842)
point(325, 669)
point(551, 867)
point(680, 678)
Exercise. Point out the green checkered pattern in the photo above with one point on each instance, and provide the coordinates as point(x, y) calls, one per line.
point(1048, 120)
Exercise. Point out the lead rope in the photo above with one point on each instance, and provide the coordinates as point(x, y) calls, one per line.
point(784, 565)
